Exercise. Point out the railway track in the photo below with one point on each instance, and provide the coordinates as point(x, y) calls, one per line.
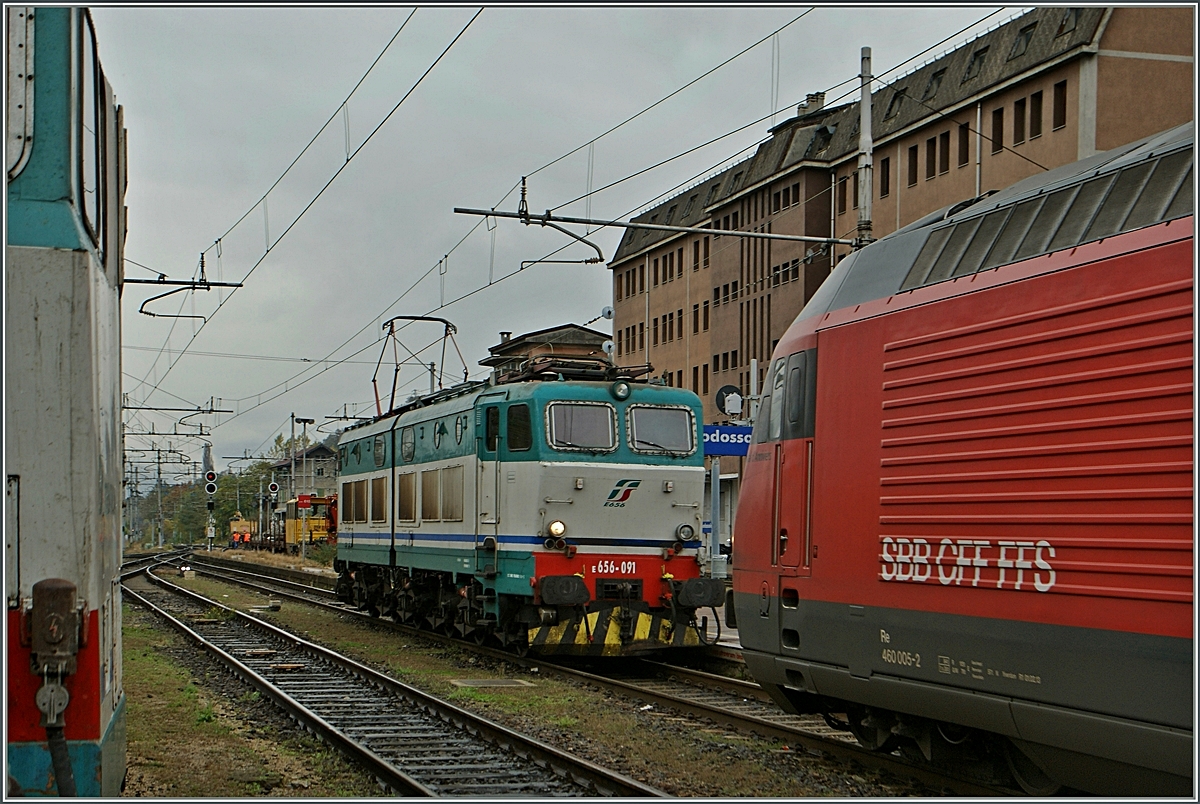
point(733, 703)
point(413, 743)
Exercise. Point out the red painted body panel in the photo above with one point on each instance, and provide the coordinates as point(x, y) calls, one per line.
point(651, 569)
point(1040, 412)
point(82, 715)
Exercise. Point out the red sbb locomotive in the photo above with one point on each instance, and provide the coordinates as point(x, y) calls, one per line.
point(966, 519)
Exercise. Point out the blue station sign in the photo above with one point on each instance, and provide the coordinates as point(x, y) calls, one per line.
point(721, 439)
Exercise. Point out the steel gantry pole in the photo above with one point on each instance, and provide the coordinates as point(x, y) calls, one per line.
point(865, 148)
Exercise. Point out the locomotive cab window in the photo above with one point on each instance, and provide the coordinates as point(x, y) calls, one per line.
point(661, 429)
point(581, 426)
point(520, 428)
point(777, 382)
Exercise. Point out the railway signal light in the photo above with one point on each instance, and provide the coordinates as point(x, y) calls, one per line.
point(210, 483)
point(273, 488)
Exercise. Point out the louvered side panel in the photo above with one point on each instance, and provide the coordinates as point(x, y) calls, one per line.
point(1045, 445)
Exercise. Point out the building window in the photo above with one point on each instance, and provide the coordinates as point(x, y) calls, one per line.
point(656, 272)
point(696, 255)
point(654, 332)
point(885, 177)
point(642, 278)
point(732, 359)
point(724, 361)
point(1021, 43)
point(795, 270)
point(706, 251)
point(895, 103)
point(1019, 122)
point(735, 220)
point(1060, 105)
point(1069, 21)
point(704, 379)
point(1035, 115)
point(930, 158)
point(912, 165)
point(787, 197)
point(712, 193)
point(775, 199)
point(617, 287)
point(725, 294)
point(695, 318)
point(679, 318)
point(705, 315)
point(796, 193)
point(695, 379)
point(679, 379)
point(975, 64)
point(998, 130)
point(855, 174)
point(670, 327)
point(670, 215)
point(935, 83)
point(944, 154)
point(964, 144)
point(688, 207)
point(841, 195)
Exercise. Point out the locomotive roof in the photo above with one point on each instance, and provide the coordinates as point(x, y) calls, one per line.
point(1137, 185)
point(465, 396)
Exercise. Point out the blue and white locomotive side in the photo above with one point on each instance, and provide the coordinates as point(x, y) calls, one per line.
point(559, 516)
point(63, 453)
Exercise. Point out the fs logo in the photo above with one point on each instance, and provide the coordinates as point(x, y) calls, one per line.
point(620, 493)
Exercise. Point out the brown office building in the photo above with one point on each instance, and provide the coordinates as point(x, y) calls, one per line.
point(1045, 89)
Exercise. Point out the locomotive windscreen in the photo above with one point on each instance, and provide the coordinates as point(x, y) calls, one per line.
point(580, 426)
point(661, 429)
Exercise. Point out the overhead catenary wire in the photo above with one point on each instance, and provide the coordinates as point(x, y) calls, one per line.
point(455, 300)
point(569, 153)
point(321, 192)
point(445, 304)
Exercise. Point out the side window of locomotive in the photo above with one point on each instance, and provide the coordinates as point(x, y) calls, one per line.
point(581, 426)
point(661, 429)
point(761, 430)
point(379, 499)
point(452, 493)
point(430, 496)
point(408, 444)
point(520, 428)
point(379, 451)
point(347, 506)
point(777, 382)
point(492, 429)
point(406, 497)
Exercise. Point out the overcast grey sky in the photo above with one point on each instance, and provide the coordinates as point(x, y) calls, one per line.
point(220, 101)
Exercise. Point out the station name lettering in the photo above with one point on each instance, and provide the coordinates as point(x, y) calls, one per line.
point(969, 562)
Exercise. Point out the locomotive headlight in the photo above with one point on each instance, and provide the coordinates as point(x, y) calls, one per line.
point(620, 390)
point(556, 528)
point(685, 532)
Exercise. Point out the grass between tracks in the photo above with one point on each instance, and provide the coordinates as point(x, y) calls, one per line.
point(678, 755)
point(186, 740)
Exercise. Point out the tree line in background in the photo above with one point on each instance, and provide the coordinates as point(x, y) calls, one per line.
point(184, 505)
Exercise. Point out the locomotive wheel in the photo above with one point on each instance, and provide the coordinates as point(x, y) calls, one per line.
point(1028, 776)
